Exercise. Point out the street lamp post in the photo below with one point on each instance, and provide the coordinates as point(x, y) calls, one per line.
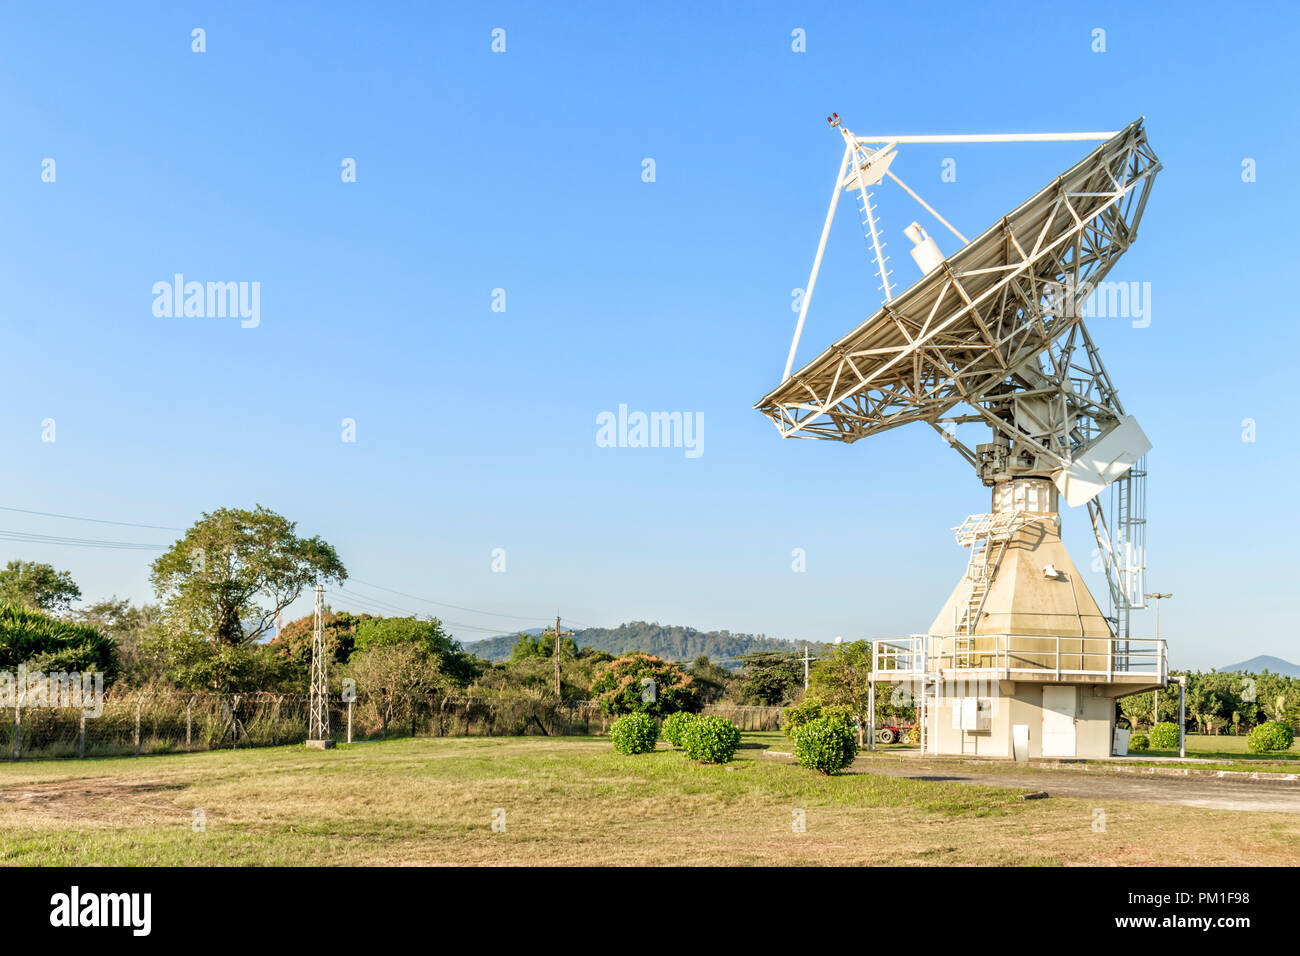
point(1157, 597)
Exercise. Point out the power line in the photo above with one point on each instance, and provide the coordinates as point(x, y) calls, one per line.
point(35, 538)
point(124, 524)
point(31, 538)
point(373, 604)
point(456, 607)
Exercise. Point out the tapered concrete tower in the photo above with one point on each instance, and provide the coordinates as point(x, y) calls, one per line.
point(1020, 579)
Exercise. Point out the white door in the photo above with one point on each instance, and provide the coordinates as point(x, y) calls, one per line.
point(1058, 721)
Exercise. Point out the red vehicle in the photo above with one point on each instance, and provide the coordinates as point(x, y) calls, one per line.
point(893, 732)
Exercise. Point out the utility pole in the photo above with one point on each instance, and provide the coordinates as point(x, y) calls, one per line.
point(318, 727)
point(556, 655)
point(805, 668)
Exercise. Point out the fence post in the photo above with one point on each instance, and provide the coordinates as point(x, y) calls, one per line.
point(234, 723)
point(189, 725)
point(275, 734)
point(349, 721)
point(139, 704)
point(81, 735)
point(18, 723)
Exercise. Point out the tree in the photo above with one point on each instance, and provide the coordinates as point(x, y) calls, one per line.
point(542, 646)
point(37, 587)
point(713, 680)
point(621, 686)
point(842, 677)
point(192, 661)
point(46, 644)
point(771, 679)
point(394, 678)
point(1138, 709)
point(236, 570)
point(292, 643)
point(428, 635)
point(128, 627)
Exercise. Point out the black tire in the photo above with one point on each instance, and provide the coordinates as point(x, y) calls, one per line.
point(886, 735)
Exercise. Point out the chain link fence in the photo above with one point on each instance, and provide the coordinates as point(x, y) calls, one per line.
point(151, 722)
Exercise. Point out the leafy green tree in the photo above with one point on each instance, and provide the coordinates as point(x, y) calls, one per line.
point(771, 679)
point(1138, 709)
point(532, 676)
point(543, 645)
point(395, 678)
point(193, 662)
point(842, 677)
point(714, 682)
point(427, 634)
point(128, 626)
point(235, 570)
point(37, 587)
point(46, 644)
point(621, 689)
point(292, 643)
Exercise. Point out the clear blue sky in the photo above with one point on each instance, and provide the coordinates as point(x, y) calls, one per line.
point(523, 171)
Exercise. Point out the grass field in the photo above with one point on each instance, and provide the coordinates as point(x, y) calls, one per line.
point(572, 801)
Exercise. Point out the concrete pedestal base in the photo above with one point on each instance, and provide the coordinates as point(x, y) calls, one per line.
point(320, 745)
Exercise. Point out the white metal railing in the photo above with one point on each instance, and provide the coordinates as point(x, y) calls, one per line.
point(1009, 654)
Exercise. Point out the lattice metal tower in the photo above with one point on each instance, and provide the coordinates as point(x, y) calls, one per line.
point(318, 729)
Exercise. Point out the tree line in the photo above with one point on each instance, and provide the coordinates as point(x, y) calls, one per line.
point(222, 587)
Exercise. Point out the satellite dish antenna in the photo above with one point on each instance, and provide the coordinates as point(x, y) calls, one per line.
point(993, 334)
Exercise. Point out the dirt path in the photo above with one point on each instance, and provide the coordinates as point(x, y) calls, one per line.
point(1206, 792)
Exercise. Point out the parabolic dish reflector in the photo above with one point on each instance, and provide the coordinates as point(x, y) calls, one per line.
point(988, 311)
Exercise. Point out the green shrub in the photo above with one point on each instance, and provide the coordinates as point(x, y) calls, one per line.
point(1164, 736)
point(792, 718)
point(674, 726)
point(826, 745)
point(710, 739)
point(1138, 742)
point(914, 735)
point(634, 733)
point(1270, 737)
point(47, 644)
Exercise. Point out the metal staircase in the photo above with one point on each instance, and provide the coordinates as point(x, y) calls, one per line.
point(987, 536)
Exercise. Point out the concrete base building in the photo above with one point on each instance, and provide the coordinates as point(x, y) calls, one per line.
point(1021, 661)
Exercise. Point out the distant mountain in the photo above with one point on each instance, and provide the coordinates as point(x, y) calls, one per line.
point(671, 642)
point(1257, 665)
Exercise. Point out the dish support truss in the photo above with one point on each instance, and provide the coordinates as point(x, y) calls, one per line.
point(995, 335)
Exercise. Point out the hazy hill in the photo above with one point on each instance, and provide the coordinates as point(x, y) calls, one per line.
point(671, 642)
point(1257, 665)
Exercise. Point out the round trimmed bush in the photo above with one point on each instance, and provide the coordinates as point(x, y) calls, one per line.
point(675, 726)
point(634, 733)
point(914, 735)
point(1164, 736)
point(794, 717)
point(826, 745)
point(1138, 742)
point(1270, 737)
point(710, 739)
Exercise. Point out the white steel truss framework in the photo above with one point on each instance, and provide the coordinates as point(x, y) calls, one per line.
point(995, 335)
point(975, 331)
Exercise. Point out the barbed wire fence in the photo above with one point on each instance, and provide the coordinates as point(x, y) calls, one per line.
point(136, 722)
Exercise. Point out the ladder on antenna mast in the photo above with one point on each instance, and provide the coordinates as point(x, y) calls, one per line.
point(1123, 551)
point(867, 216)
